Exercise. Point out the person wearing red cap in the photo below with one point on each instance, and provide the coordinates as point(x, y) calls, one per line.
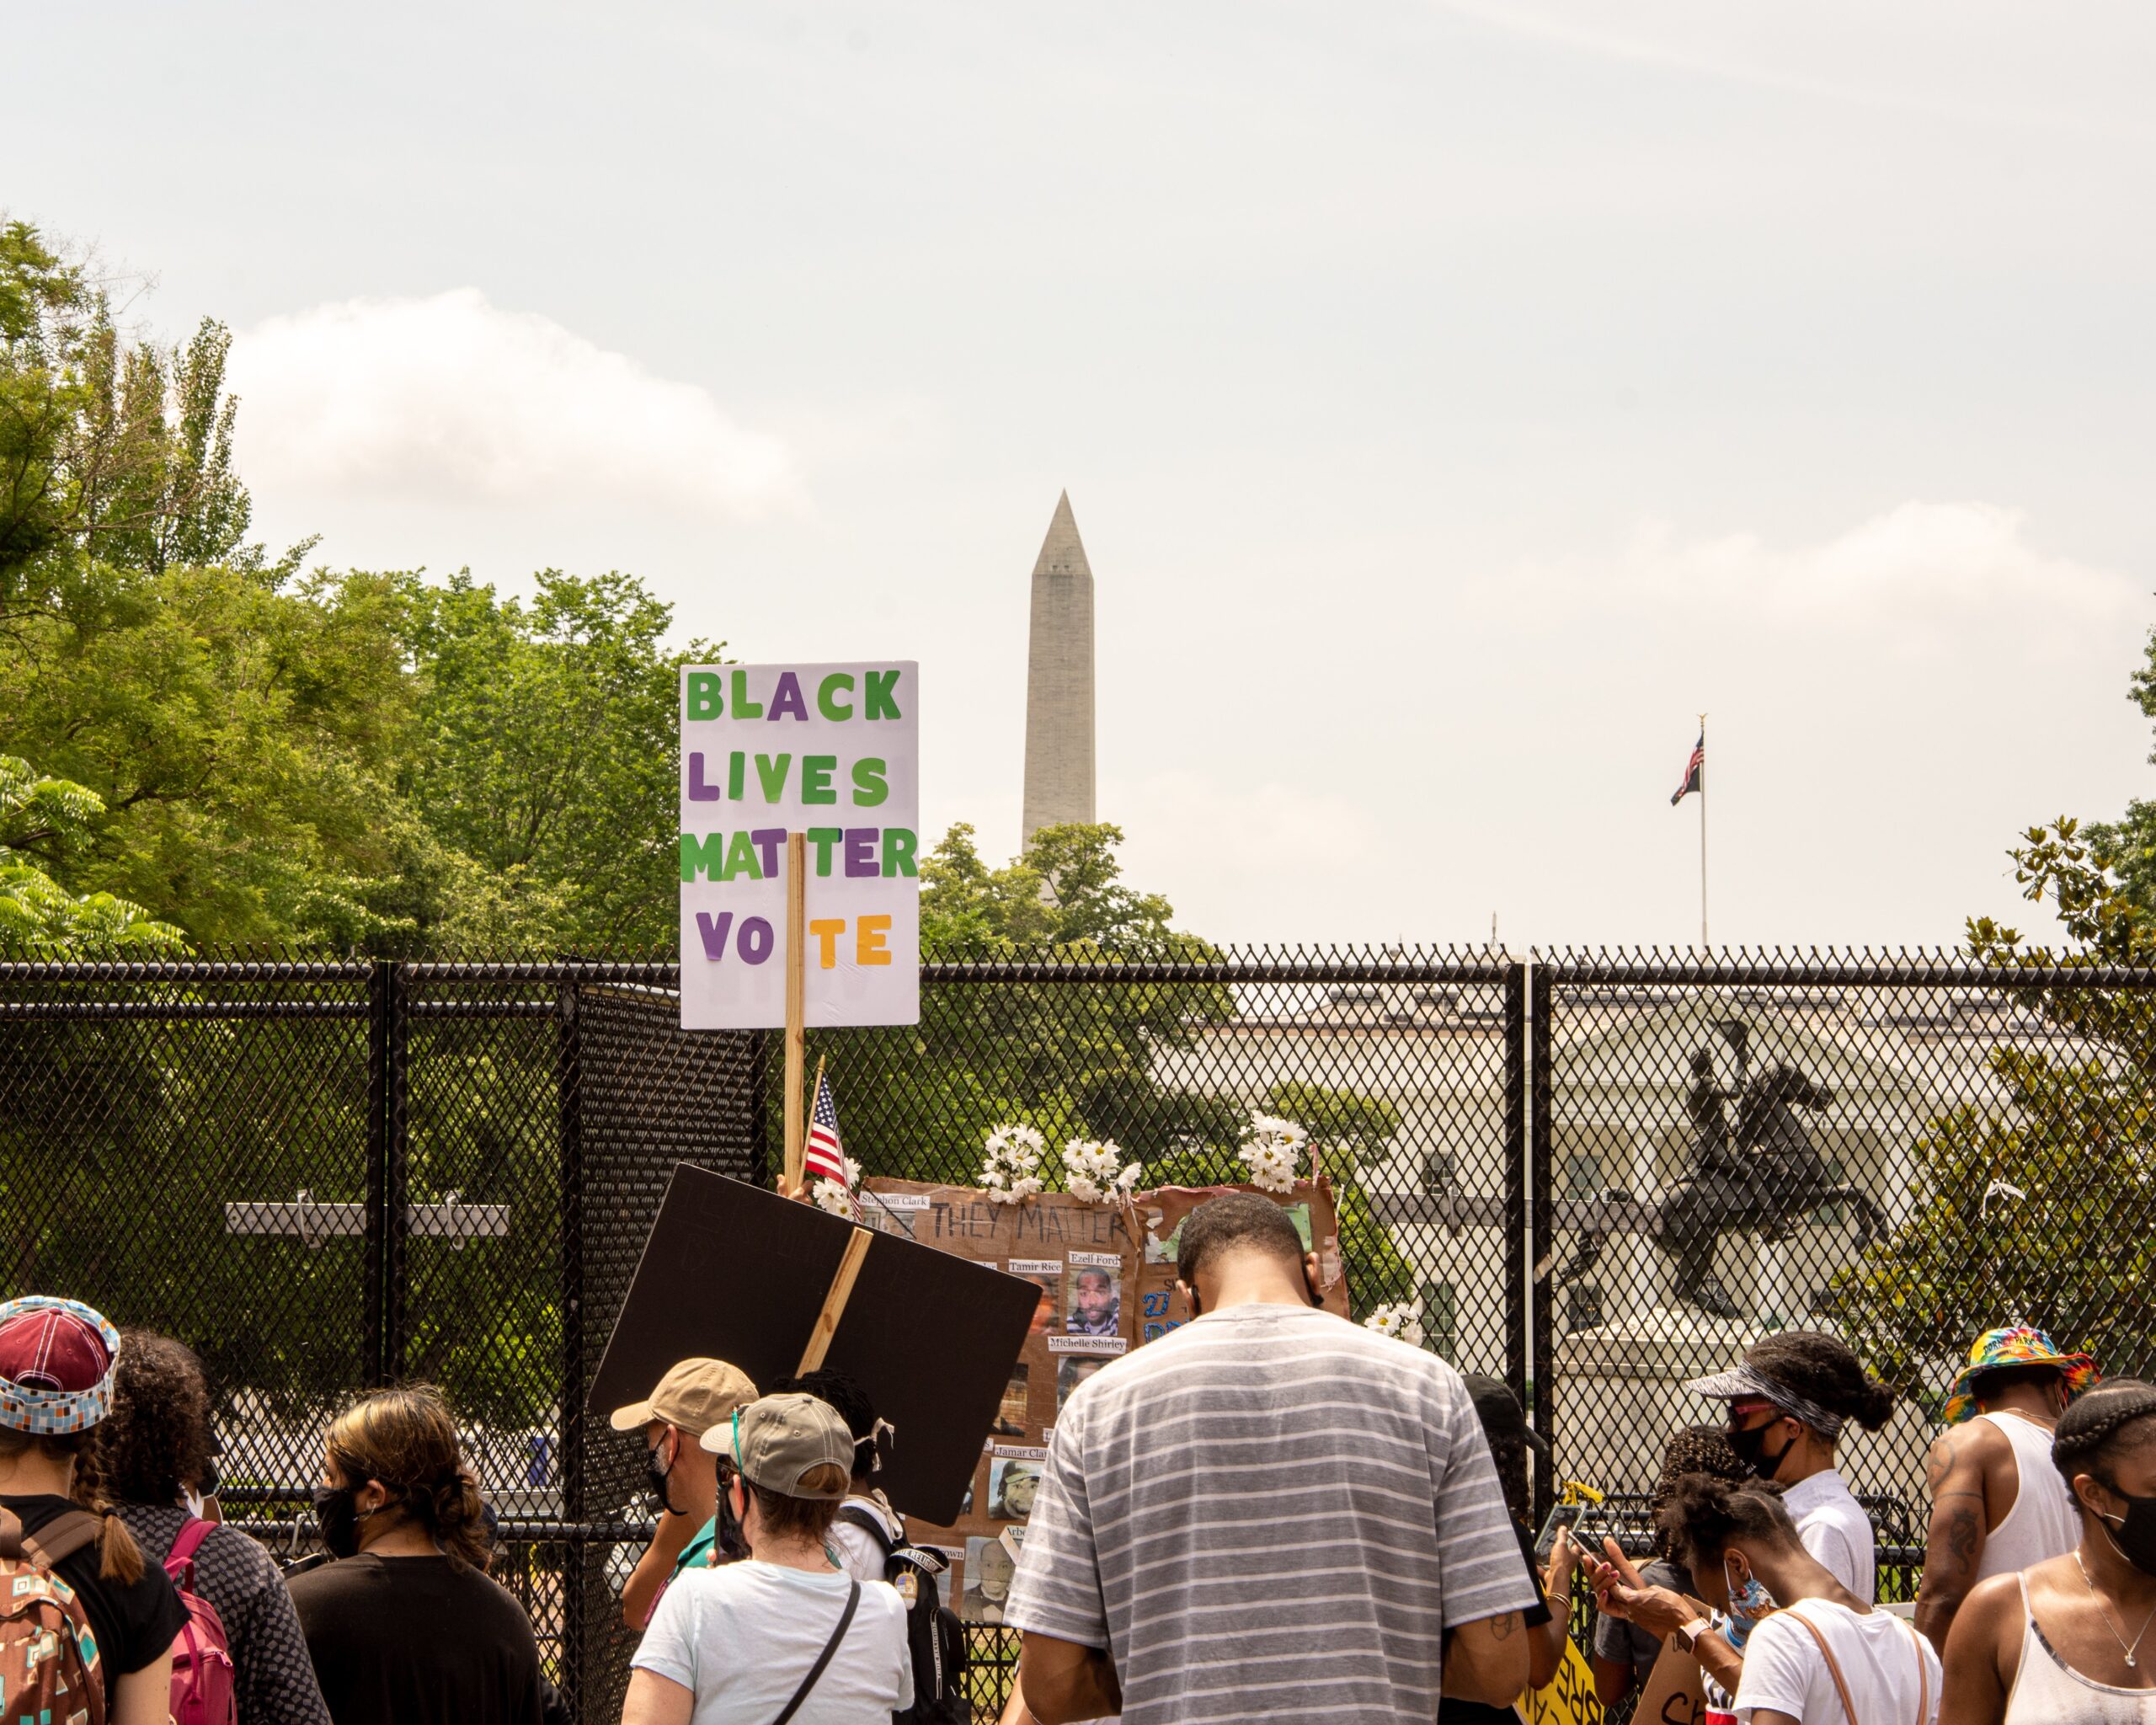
point(57, 1361)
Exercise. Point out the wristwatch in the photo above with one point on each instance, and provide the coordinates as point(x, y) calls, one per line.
point(1689, 1633)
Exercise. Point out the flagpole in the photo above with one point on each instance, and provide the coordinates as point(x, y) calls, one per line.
point(1703, 832)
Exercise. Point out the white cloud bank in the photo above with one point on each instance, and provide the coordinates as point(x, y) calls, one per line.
point(453, 399)
point(1920, 579)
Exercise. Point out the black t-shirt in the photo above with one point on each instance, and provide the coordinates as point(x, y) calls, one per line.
point(410, 1640)
point(134, 1624)
point(1452, 1710)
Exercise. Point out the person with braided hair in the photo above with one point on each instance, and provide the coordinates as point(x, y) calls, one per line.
point(1789, 1401)
point(58, 1358)
point(2069, 1639)
point(405, 1628)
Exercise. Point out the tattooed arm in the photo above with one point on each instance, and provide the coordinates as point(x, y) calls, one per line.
point(1487, 1660)
point(1961, 1470)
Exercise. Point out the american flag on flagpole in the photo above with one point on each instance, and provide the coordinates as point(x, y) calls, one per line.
point(822, 1157)
point(1695, 772)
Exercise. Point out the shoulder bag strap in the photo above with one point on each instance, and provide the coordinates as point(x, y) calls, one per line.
point(1833, 1665)
point(823, 1658)
point(1923, 1674)
point(192, 1532)
point(63, 1536)
point(853, 1515)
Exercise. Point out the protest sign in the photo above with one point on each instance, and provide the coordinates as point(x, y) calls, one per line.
point(734, 1273)
point(1567, 1699)
point(830, 751)
point(1309, 1207)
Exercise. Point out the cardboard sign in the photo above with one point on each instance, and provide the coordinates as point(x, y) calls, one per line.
point(1309, 1207)
point(739, 1273)
point(831, 751)
point(1567, 1699)
point(1100, 1290)
point(1672, 1696)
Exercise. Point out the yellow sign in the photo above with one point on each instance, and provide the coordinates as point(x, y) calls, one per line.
point(1569, 1697)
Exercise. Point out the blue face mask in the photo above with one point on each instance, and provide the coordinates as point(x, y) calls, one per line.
point(1748, 1602)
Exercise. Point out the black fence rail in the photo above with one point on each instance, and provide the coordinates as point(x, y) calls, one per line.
point(1596, 1175)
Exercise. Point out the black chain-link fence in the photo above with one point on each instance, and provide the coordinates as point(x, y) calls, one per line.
point(1598, 1176)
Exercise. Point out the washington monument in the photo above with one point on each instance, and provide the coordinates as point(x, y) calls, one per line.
point(1060, 682)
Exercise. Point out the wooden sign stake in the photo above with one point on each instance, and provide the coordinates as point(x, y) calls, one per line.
point(796, 1046)
point(841, 1291)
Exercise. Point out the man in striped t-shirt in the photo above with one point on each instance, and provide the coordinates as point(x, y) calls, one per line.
point(1268, 1514)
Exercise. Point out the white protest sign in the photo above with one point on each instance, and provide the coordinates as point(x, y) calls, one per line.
point(831, 751)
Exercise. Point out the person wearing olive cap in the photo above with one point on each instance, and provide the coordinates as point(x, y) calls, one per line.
point(786, 1634)
point(695, 1395)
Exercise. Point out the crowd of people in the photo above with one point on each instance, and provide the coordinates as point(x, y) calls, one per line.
point(1267, 1514)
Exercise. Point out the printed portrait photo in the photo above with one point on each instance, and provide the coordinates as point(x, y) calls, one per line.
point(1071, 1371)
point(989, 1568)
point(1095, 1304)
point(1045, 1311)
point(1011, 1417)
point(1011, 1487)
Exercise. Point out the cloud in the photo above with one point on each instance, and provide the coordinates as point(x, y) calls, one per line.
point(453, 399)
point(1923, 577)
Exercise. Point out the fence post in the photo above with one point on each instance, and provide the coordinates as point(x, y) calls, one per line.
point(1516, 1349)
point(1541, 1224)
point(394, 1215)
point(568, 1071)
point(374, 1362)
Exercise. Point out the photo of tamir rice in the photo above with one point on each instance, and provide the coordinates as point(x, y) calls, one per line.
point(1010, 1416)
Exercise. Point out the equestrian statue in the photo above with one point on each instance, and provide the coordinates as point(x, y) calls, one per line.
point(1760, 1175)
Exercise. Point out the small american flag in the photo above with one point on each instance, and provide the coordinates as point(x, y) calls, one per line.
point(1695, 771)
point(822, 1158)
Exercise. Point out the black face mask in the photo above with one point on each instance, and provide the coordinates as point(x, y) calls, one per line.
point(659, 1480)
point(1751, 1447)
point(2133, 1534)
point(336, 1509)
point(732, 1543)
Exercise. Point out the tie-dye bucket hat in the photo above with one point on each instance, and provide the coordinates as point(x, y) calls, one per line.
point(1997, 1350)
point(55, 1365)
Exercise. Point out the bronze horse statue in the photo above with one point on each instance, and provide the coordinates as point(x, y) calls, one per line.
point(1761, 1175)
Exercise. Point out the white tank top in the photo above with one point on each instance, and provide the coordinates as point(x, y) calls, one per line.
point(2041, 1524)
point(2049, 1692)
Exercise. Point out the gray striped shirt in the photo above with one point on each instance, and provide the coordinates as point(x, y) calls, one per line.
point(1269, 1513)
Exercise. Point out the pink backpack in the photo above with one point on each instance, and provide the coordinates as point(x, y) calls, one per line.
point(203, 1689)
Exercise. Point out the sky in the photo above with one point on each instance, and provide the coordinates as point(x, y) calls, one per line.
point(1456, 398)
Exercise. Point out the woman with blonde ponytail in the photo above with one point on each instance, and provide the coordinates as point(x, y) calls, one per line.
point(405, 1626)
point(57, 1365)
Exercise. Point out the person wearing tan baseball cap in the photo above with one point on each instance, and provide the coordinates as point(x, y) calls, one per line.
point(788, 1634)
point(695, 1396)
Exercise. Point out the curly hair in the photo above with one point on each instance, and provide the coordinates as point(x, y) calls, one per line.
point(1822, 1368)
point(1703, 1516)
point(1692, 1450)
point(2101, 1424)
point(156, 1441)
point(405, 1440)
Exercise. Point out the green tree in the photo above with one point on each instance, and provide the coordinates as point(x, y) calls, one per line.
point(543, 749)
point(36, 913)
point(2037, 1211)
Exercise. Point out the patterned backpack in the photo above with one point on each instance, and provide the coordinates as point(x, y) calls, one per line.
point(49, 1667)
point(203, 1689)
